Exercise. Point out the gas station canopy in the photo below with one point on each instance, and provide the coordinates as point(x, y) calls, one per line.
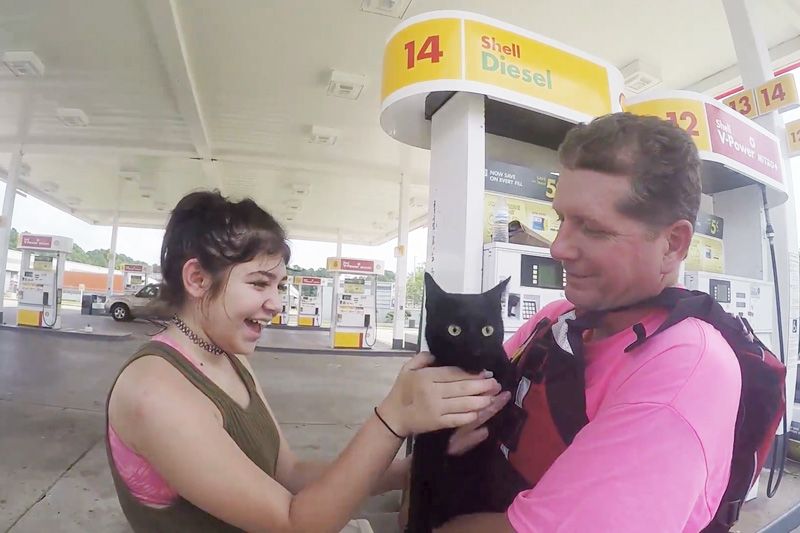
point(141, 101)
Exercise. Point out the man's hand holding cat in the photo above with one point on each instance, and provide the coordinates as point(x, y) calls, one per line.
point(426, 398)
point(470, 435)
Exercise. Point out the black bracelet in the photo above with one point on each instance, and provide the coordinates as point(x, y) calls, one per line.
point(387, 425)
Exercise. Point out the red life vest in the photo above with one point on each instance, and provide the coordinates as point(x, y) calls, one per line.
point(549, 407)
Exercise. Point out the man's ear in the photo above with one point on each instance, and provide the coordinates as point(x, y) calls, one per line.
point(196, 281)
point(679, 238)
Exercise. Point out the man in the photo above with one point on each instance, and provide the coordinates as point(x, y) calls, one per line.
point(655, 454)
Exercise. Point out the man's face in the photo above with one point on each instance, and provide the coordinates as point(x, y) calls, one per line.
point(610, 259)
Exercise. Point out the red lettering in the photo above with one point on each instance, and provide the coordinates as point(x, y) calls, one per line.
point(485, 41)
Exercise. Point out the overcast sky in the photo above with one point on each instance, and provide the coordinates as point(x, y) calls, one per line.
point(35, 216)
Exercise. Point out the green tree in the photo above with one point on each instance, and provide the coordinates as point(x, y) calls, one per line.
point(13, 240)
point(388, 275)
point(415, 287)
point(99, 257)
point(296, 270)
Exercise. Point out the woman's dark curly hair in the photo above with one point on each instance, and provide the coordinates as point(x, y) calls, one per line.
point(220, 234)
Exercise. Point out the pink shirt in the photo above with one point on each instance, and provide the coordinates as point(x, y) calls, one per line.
point(655, 455)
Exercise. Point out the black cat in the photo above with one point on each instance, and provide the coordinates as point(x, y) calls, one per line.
point(463, 330)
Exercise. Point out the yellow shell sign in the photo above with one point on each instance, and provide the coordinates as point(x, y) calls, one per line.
point(457, 51)
point(429, 50)
point(527, 66)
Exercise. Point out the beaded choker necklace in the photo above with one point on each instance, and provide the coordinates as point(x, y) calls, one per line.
point(192, 336)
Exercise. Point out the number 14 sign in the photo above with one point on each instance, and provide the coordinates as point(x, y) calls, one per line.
point(778, 94)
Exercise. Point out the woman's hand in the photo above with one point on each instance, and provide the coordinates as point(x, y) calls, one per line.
point(470, 435)
point(425, 399)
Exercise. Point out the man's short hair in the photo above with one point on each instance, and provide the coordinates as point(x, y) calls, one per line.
point(659, 158)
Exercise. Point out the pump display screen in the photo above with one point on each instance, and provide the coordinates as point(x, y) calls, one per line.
point(541, 272)
point(720, 290)
point(308, 290)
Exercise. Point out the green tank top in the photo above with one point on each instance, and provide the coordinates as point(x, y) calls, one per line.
point(252, 429)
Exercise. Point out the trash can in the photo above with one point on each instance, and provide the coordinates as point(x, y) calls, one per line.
point(86, 304)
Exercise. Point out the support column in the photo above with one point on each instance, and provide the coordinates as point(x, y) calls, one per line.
point(755, 68)
point(401, 270)
point(455, 204)
point(12, 180)
point(455, 209)
point(339, 243)
point(112, 259)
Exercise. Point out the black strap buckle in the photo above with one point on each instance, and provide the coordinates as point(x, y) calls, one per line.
point(729, 513)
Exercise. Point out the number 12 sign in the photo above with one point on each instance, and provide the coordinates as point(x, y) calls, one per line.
point(689, 115)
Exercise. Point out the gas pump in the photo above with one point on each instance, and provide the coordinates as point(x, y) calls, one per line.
point(732, 256)
point(310, 306)
point(353, 316)
point(536, 280)
point(41, 279)
point(134, 277)
point(282, 317)
point(519, 226)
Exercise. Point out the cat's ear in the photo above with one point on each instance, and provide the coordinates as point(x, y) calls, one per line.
point(432, 291)
point(496, 292)
point(431, 287)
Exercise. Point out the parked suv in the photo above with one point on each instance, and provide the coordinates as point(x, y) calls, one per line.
point(124, 307)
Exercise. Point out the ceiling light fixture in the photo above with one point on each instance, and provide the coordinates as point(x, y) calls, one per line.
point(23, 64)
point(346, 85)
point(321, 135)
point(640, 76)
point(389, 8)
point(72, 117)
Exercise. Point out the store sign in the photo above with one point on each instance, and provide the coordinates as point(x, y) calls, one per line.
point(355, 266)
point(516, 180)
point(793, 137)
point(358, 265)
point(311, 281)
point(43, 242)
point(479, 51)
point(133, 268)
point(743, 143)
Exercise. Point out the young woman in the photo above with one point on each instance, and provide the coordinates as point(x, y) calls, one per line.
point(192, 442)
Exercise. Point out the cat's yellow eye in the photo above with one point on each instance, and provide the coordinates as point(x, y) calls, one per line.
point(487, 331)
point(454, 330)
